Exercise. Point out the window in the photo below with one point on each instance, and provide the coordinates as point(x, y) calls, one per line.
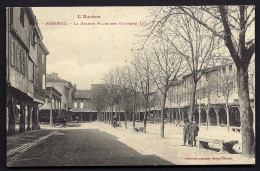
point(22, 61)
point(12, 52)
point(31, 70)
point(75, 104)
point(230, 68)
point(224, 70)
point(43, 58)
point(18, 63)
point(33, 41)
point(22, 17)
point(219, 72)
point(207, 76)
point(81, 105)
point(43, 81)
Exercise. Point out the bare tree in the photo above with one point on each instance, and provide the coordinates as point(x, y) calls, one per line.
point(131, 82)
point(223, 82)
point(142, 66)
point(114, 80)
point(99, 98)
point(196, 44)
point(167, 66)
point(235, 26)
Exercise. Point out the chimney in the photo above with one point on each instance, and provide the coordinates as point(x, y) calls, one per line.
point(75, 86)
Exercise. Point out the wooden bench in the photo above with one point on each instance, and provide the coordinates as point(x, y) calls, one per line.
point(236, 129)
point(225, 145)
point(139, 129)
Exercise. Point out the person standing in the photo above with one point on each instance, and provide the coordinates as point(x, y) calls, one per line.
point(194, 129)
point(186, 131)
point(114, 121)
point(64, 122)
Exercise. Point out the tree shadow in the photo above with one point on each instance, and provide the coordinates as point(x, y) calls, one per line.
point(84, 147)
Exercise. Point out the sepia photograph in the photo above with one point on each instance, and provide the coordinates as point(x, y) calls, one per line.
point(130, 86)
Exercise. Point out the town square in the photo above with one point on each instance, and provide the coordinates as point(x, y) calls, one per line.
point(130, 86)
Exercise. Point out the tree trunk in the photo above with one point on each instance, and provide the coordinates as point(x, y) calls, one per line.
point(227, 111)
point(134, 113)
point(29, 111)
point(125, 119)
point(179, 112)
point(145, 115)
point(162, 114)
point(193, 94)
point(119, 117)
point(245, 113)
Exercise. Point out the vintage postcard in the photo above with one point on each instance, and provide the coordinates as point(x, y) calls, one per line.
point(130, 86)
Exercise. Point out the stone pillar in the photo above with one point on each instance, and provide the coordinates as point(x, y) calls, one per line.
point(217, 115)
point(37, 117)
point(51, 113)
point(34, 117)
point(22, 118)
point(11, 120)
point(59, 108)
point(209, 120)
point(216, 109)
point(29, 110)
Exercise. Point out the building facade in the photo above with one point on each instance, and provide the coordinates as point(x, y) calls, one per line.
point(50, 112)
point(25, 90)
point(65, 88)
point(210, 103)
point(82, 106)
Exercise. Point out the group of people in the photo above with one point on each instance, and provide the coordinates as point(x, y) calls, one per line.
point(190, 131)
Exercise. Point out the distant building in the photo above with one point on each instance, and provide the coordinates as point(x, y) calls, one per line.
point(51, 111)
point(82, 106)
point(179, 98)
point(65, 88)
point(25, 69)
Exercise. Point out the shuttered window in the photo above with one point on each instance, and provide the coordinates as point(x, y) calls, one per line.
point(18, 63)
point(22, 61)
point(12, 53)
point(31, 70)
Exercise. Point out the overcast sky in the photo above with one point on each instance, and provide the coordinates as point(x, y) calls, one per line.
point(83, 53)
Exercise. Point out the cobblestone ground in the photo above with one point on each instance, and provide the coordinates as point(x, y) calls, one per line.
point(99, 144)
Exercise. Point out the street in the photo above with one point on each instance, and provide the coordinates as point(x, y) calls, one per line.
point(99, 144)
point(83, 147)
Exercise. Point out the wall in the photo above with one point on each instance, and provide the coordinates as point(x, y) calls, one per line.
point(40, 91)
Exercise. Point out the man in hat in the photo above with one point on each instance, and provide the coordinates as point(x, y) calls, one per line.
point(186, 131)
point(194, 129)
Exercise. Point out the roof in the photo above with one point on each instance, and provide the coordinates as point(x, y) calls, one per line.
point(82, 94)
point(49, 79)
point(48, 89)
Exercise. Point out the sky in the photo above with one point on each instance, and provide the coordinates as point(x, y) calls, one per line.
point(82, 54)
